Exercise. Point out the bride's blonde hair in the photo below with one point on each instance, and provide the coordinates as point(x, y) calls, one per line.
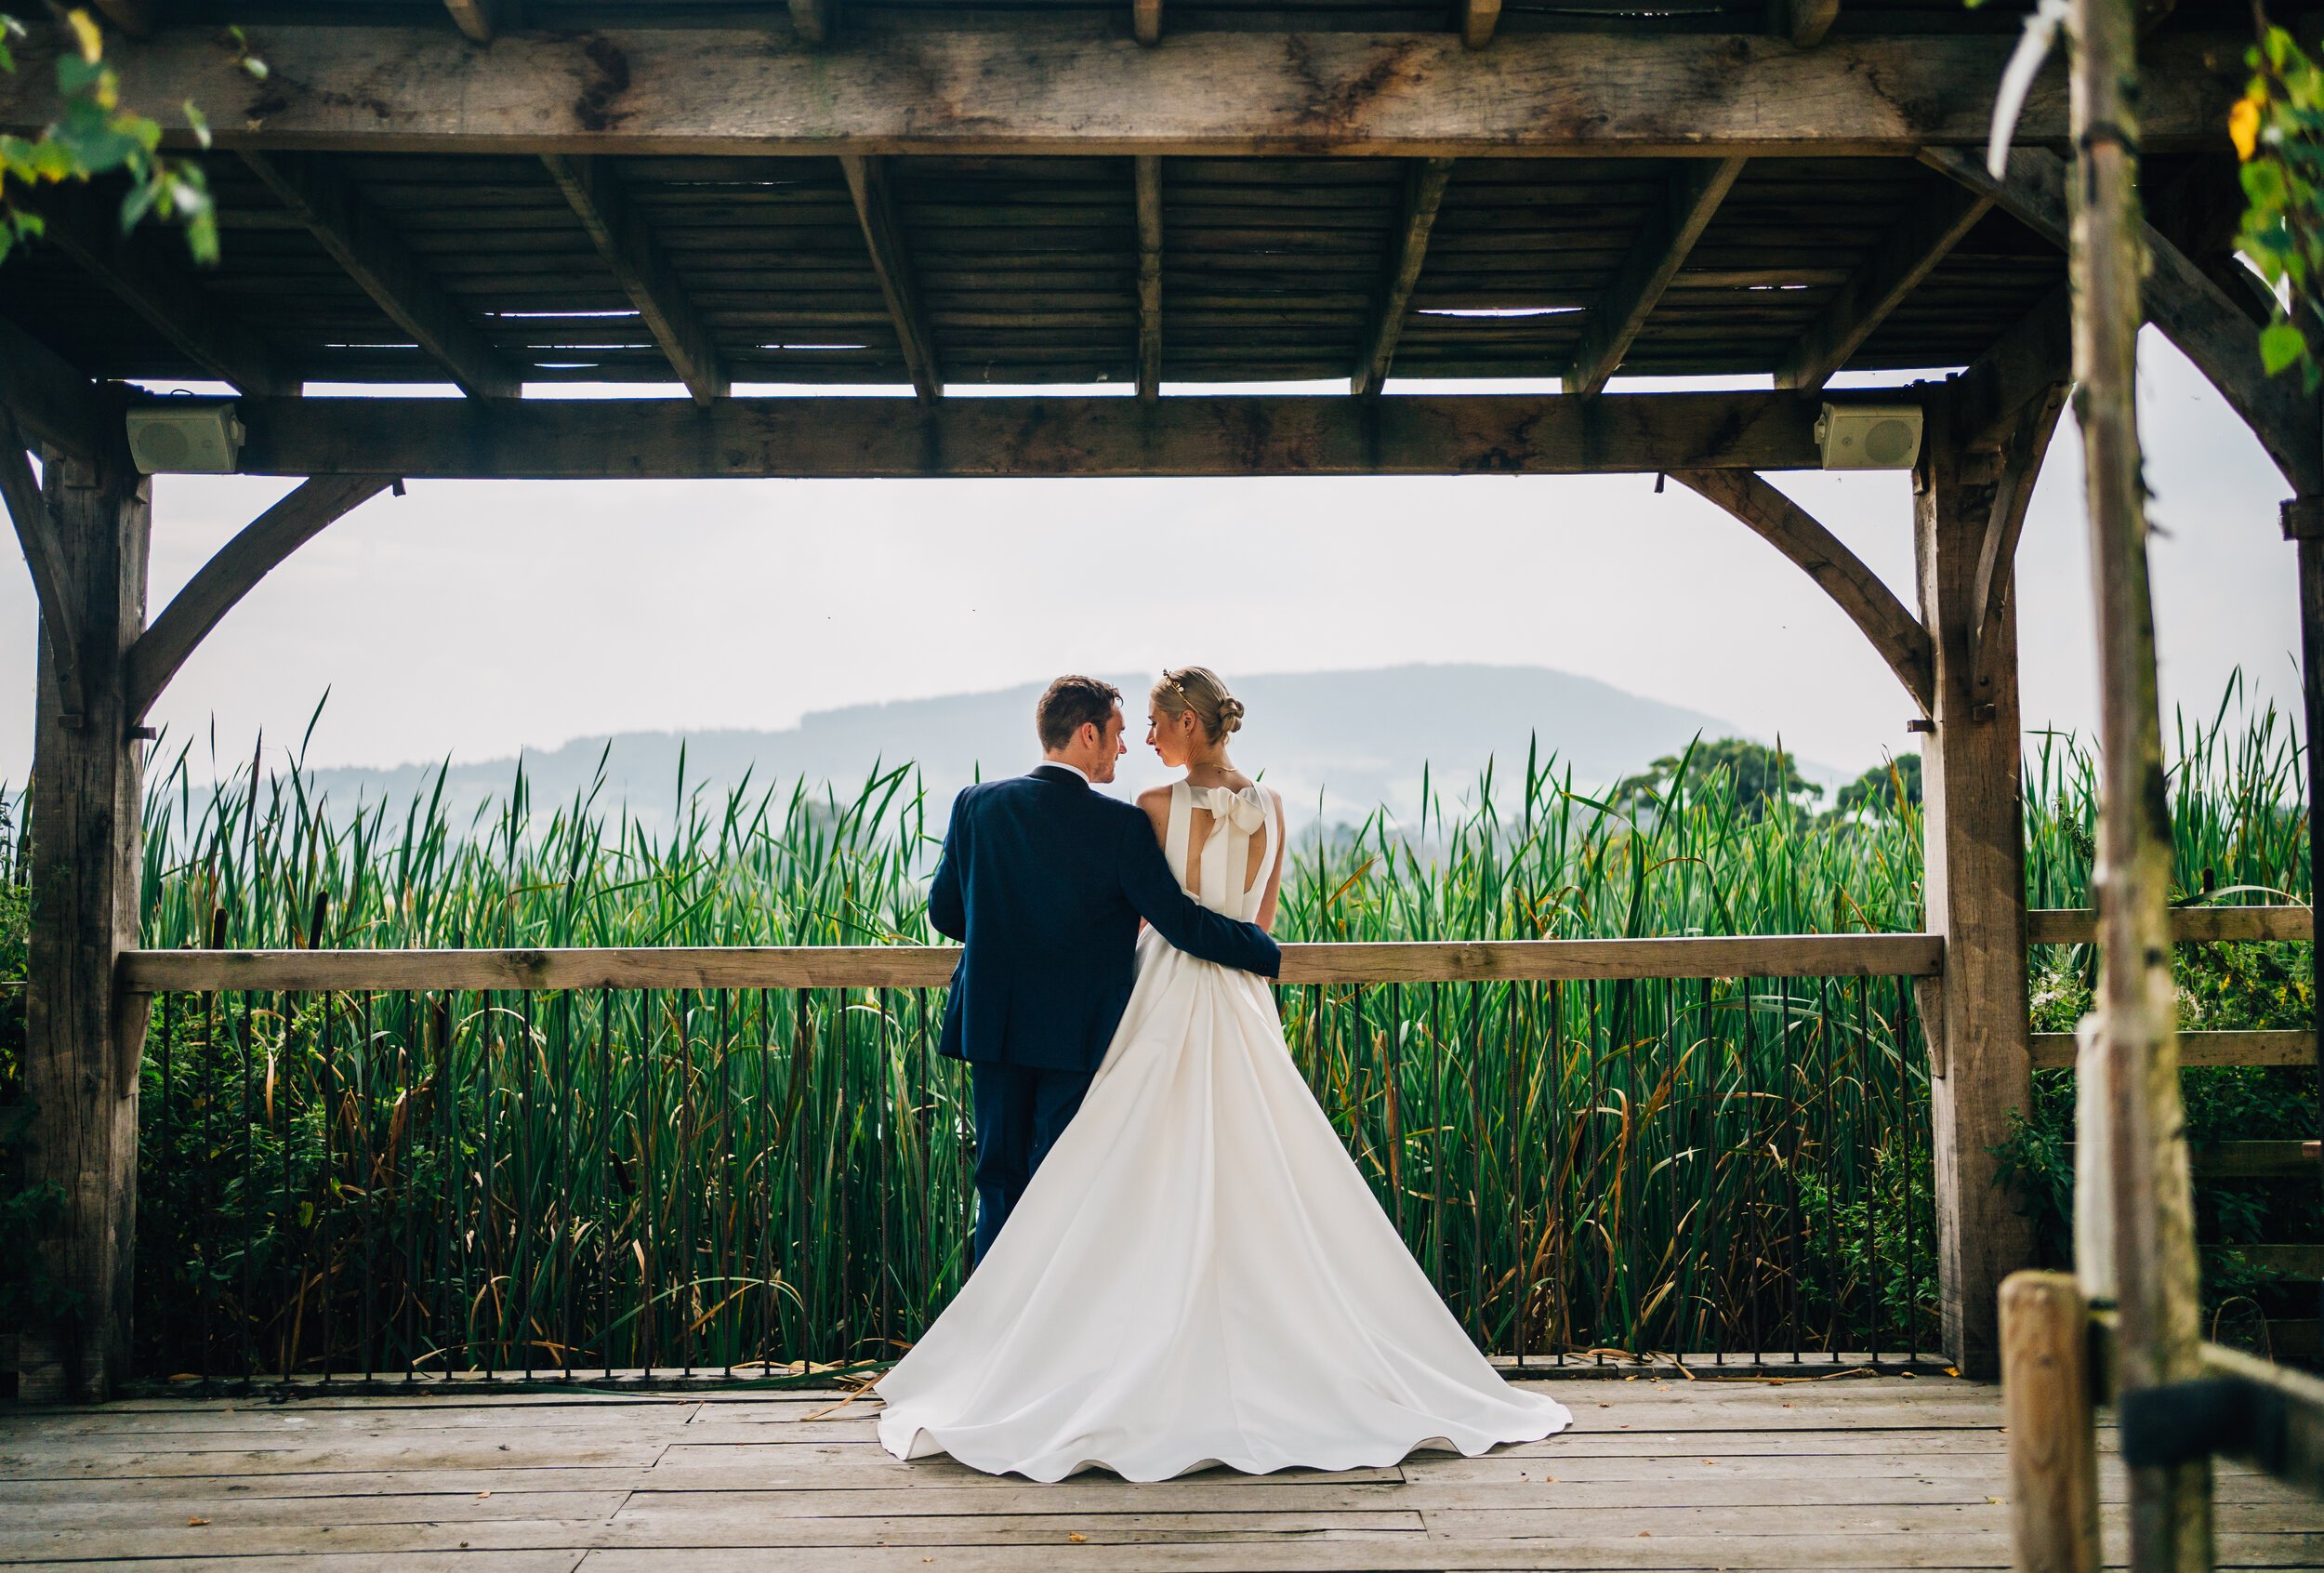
point(1196, 691)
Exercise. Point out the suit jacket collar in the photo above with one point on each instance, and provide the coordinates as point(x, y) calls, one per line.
point(1049, 771)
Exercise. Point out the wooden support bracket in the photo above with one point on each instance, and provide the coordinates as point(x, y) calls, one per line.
point(2022, 454)
point(1423, 193)
point(891, 260)
point(1146, 172)
point(1669, 234)
point(1478, 18)
point(642, 269)
point(478, 21)
point(1145, 22)
point(54, 405)
point(1871, 605)
point(234, 573)
point(44, 554)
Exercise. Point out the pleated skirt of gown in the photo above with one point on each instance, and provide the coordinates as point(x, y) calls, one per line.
point(1198, 1275)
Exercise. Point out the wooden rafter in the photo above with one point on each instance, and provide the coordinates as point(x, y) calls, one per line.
point(44, 554)
point(1423, 193)
point(1672, 227)
point(2193, 312)
point(810, 20)
point(1478, 18)
point(1803, 22)
point(891, 261)
point(478, 21)
point(364, 242)
point(1434, 434)
point(638, 262)
point(2020, 367)
point(234, 573)
point(919, 84)
point(2022, 452)
point(1907, 253)
point(1145, 22)
point(1146, 171)
point(83, 223)
point(132, 17)
point(1871, 605)
point(52, 402)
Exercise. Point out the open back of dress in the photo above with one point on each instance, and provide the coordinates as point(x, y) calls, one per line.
point(1198, 1275)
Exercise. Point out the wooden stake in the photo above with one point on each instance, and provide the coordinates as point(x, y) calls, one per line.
point(2053, 1445)
point(2152, 1202)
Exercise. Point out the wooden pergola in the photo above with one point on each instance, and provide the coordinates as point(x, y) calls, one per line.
point(922, 196)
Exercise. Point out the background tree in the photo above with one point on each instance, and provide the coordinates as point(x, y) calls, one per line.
point(1758, 776)
point(1885, 789)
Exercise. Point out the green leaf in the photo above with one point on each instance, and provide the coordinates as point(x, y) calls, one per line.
point(2280, 345)
point(201, 127)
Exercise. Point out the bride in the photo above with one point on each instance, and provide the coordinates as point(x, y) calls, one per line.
point(1197, 1274)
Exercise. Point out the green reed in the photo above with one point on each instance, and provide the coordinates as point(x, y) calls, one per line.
point(434, 1182)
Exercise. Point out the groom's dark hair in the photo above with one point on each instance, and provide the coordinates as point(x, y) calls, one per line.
point(1069, 702)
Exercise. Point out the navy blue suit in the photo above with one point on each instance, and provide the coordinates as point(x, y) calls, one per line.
point(1043, 881)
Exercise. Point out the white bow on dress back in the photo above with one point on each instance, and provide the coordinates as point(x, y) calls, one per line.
point(1230, 818)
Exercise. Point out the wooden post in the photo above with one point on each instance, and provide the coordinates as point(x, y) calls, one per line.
point(1974, 890)
point(2151, 1199)
point(2303, 524)
point(83, 1039)
point(2053, 1444)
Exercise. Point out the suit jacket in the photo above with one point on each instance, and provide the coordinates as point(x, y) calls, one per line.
point(1043, 881)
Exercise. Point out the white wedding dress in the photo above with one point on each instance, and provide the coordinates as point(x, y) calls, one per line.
point(1198, 1275)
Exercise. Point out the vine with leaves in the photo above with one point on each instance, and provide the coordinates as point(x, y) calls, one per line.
point(2278, 129)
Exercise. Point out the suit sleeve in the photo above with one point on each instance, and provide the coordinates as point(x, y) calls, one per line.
point(947, 912)
point(1179, 918)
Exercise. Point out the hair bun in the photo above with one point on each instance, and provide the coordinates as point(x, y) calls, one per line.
point(1231, 713)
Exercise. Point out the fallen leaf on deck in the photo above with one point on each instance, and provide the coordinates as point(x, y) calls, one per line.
point(1078, 1540)
point(195, 1523)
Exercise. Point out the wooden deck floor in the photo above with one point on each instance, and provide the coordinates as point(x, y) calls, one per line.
point(1657, 1472)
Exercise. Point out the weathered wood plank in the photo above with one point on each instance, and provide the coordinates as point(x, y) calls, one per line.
point(1907, 255)
point(1669, 233)
point(1616, 434)
point(53, 403)
point(931, 966)
point(2055, 1051)
point(1871, 605)
point(629, 249)
point(891, 264)
point(2053, 1440)
point(1146, 176)
point(2189, 925)
point(1048, 85)
point(1424, 194)
point(221, 583)
point(361, 240)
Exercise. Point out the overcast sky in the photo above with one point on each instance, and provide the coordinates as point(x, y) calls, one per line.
point(474, 618)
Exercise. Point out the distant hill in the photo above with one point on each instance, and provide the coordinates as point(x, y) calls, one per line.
point(1349, 741)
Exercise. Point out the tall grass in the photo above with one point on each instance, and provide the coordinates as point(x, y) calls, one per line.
point(428, 1182)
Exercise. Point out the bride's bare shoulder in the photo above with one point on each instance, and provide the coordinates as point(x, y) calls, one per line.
point(1155, 800)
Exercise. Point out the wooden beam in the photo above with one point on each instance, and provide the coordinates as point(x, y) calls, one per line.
point(53, 403)
point(2193, 312)
point(2283, 1046)
point(2021, 453)
point(917, 83)
point(2189, 925)
point(1146, 172)
point(1973, 859)
point(2032, 357)
point(44, 554)
point(364, 242)
point(83, 1036)
point(1435, 434)
point(883, 237)
point(83, 223)
point(1672, 228)
point(638, 262)
point(1145, 22)
point(234, 573)
point(811, 20)
point(478, 21)
point(1478, 18)
point(1802, 24)
point(2046, 1388)
point(1790, 529)
point(1905, 256)
point(904, 966)
point(1423, 193)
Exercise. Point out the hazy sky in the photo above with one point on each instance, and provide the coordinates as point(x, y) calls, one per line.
point(476, 617)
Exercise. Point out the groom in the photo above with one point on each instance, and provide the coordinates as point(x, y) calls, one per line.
point(1043, 881)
